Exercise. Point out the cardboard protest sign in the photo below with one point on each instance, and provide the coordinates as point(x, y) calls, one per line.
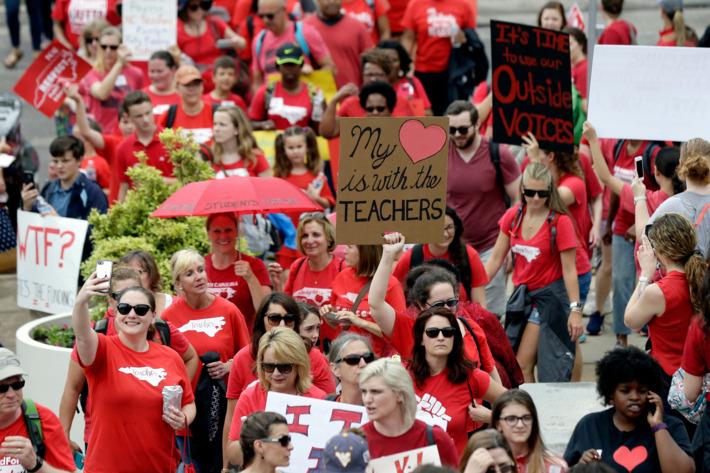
point(311, 423)
point(48, 258)
point(663, 94)
point(392, 178)
point(532, 85)
point(148, 26)
point(41, 84)
point(405, 462)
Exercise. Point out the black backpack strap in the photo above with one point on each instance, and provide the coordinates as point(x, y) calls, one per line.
point(494, 152)
point(617, 150)
point(33, 423)
point(553, 230)
point(417, 256)
point(430, 435)
point(172, 113)
point(250, 26)
point(163, 329)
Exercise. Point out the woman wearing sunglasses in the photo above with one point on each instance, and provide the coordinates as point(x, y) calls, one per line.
point(544, 243)
point(349, 353)
point(130, 372)
point(265, 442)
point(515, 416)
point(487, 452)
point(282, 366)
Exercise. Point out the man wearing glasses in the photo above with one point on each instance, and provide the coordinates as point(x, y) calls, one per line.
point(477, 189)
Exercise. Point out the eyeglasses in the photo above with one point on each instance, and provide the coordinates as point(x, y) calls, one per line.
point(115, 295)
point(450, 303)
point(450, 228)
point(505, 468)
point(375, 109)
point(16, 386)
point(284, 440)
point(354, 359)
point(312, 215)
point(512, 421)
point(140, 309)
point(284, 368)
point(543, 194)
point(434, 332)
point(202, 5)
point(112, 47)
point(461, 130)
point(275, 319)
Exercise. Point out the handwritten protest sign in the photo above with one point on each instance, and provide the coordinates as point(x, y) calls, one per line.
point(663, 94)
point(41, 84)
point(148, 25)
point(48, 258)
point(405, 462)
point(311, 423)
point(532, 85)
point(392, 178)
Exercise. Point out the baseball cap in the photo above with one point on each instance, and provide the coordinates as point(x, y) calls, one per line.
point(670, 5)
point(186, 74)
point(345, 453)
point(9, 365)
point(289, 53)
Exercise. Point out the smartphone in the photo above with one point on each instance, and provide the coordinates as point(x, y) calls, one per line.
point(224, 44)
point(103, 269)
point(28, 178)
point(638, 160)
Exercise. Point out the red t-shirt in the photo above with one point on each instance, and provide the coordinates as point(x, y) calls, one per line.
point(161, 103)
point(454, 398)
point(259, 165)
point(101, 169)
point(157, 156)
point(380, 445)
point(202, 49)
point(412, 88)
point(226, 284)
point(265, 62)
point(124, 381)
point(696, 352)
point(253, 399)
point(106, 112)
point(233, 100)
point(346, 40)
point(668, 330)
point(618, 32)
point(433, 23)
point(366, 15)
point(350, 107)
point(312, 287)
point(243, 372)
point(58, 454)
point(219, 327)
point(653, 199)
point(579, 77)
point(395, 15)
point(302, 181)
point(285, 109)
point(346, 287)
point(536, 264)
point(579, 210)
point(76, 14)
point(200, 125)
point(108, 152)
point(478, 271)
point(666, 37)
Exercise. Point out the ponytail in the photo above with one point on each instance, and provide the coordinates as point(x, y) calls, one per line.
point(679, 28)
point(695, 271)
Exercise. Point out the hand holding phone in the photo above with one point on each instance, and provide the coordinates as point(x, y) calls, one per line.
point(28, 177)
point(638, 160)
point(103, 269)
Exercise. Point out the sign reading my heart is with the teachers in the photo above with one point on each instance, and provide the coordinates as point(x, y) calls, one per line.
point(392, 179)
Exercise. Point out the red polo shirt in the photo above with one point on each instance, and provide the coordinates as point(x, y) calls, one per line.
point(157, 155)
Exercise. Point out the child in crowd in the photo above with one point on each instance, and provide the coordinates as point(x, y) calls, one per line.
point(224, 77)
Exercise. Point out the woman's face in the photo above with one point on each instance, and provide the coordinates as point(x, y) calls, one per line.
point(314, 240)
point(109, 47)
point(279, 381)
point(441, 292)
point(551, 19)
point(536, 202)
point(223, 128)
point(276, 316)
point(435, 341)
point(347, 373)
point(379, 400)
point(222, 234)
point(630, 400)
point(296, 149)
point(449, 231)
point(274, 453)
point(575, 50)
point(372, 72)
point(92, 43)
point(195, 12)
point(136, 264)
point(193, 281)
point(515, 423)
point(132, 323)
point(310, 328)
point(352, 256)
point(160, 75)
point(396, 66)
point(376, 106)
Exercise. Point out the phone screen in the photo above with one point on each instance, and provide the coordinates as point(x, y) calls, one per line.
point(639, 166)
point(28, 178)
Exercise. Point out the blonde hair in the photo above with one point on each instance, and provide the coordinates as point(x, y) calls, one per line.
point(246, 143)
point(91, 28)
point(182, 260)
point(288, 347)
point(101, 59)
point(694, 165)
point(328, 230)
point(539, 172)
point(396, 377)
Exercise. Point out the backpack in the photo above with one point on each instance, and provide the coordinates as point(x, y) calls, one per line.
point(172, 114)
point(314, 94)
point(418, 258)
point(300, 39)
point(260, 233)
point(647, 155)
point(34, 426)
point(468, 67)
point(494, 152)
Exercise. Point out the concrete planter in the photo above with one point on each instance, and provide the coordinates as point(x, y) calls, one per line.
point(47, 367)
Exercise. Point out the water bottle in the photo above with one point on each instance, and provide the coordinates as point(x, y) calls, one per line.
point(317, 114)
point(44, 207)
point(91, 171)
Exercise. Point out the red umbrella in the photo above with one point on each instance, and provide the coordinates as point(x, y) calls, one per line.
point(238, 194)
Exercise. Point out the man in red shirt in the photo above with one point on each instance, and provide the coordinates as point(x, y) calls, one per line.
point(192, 114)
point(139, 110)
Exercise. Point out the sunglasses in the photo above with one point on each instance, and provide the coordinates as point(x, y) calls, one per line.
point(112, 47)
point(284, 440)
point(16, 386)
point(375, 109)
point(450, 303)
point(354, 359)
point(140, 309)
point(506, 468)
point(461, 130)
point(434, 332)
point(92, 40)
point(200, 6)
point(543, 194)
point(284, 368)
point(275, 319)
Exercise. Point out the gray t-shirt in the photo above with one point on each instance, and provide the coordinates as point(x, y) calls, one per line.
point(690, 205)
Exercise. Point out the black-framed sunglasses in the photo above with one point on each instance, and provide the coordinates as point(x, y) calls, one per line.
point(284, 368)
point(450, 303)
point(140, 309)
point(378, 109)
point(16, 386)
point(433, 332)
point(268, 16)
point(205, 5)
point(355, 358)
point(284, 440)
point(461, 130)
point(505, 468)
point(112, 47)
point(115, 295)
point(275, 319)
point(92, 40)
point(543, 194)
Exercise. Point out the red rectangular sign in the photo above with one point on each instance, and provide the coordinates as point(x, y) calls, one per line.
point(41, 84)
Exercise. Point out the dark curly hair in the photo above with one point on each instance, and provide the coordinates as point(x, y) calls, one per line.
point(378, 87)
point(405, 60)
point(624, 365)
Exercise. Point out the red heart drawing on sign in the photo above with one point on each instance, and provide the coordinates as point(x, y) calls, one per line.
point(630, 459)
point(420, 142)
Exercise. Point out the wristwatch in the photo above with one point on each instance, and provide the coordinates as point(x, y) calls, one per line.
point(575, 305)
point(37, 466)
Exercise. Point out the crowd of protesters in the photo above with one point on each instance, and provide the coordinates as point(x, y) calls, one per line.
point(430, 339)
